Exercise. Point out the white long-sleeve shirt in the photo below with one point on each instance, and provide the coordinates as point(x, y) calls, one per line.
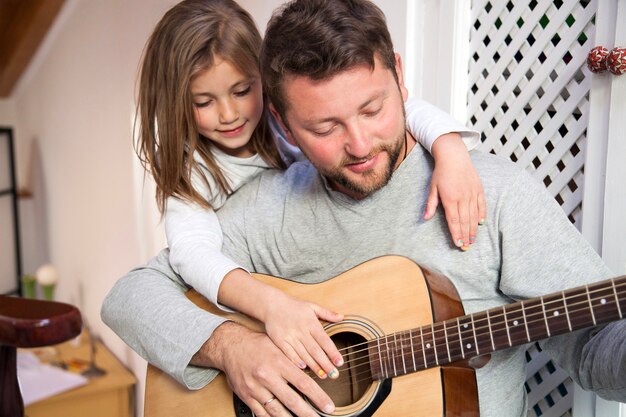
point(194, 235)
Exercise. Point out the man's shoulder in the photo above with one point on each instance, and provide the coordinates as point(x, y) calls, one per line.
point(489, 161)
point(272, 183)
point(496, 169)
point(500, 175)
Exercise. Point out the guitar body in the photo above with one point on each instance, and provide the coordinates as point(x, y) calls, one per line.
point(382, 296)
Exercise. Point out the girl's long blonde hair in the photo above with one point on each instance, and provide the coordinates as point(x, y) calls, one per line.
point(184, 43)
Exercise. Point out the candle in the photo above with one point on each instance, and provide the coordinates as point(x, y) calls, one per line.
point(47, 278)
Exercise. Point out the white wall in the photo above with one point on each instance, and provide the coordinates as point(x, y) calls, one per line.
point(72, 112)
point(72, 115)
point(394, 10)
point(7, 112)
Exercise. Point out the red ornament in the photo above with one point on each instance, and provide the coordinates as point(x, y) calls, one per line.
point(616, 61)
point(596, 59)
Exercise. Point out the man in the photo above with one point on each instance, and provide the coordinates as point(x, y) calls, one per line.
point(336, 86)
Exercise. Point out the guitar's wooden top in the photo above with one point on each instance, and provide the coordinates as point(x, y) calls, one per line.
point(390, 294)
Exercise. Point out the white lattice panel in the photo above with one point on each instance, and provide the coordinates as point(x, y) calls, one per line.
point(529, 90)
point(529, 96)
point(548, 387)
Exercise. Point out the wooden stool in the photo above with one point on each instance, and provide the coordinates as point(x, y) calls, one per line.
point(29, 323)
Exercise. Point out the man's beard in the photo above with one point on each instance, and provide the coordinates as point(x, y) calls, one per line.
point(372, 180)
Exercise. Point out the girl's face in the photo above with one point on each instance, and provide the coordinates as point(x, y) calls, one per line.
point(228, 106)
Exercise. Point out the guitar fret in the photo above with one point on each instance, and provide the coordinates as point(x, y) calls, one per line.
point(429, 349)
point(604, 306)
point(554, 307)
point(525, 321)
point(402, 353)
point(493, 345)
point(387, 360)
point(483, 331)
point(458, 325)
point(393, 359)
point(423, 348)
point(506, 324)
point(434, 343)
point(412, 350)
point(474, 331)
point(466, 336)
point(545, 317)
point(619, 309)
point(577, 304)
point(498, 328)
point(593, 316)
point(445, 332)
point(569, 323)
point(536, 319)
point(515, 324)
point(380, 357)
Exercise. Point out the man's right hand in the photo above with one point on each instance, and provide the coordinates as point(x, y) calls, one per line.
point(260, 374)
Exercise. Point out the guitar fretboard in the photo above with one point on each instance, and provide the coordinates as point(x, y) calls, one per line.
point(498, 328)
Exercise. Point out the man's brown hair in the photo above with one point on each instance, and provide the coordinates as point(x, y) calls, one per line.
point(320, 38)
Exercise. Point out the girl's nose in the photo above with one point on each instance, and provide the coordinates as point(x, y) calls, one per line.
point(228, 112)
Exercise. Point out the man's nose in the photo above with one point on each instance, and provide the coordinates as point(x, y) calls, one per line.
point(358, 143)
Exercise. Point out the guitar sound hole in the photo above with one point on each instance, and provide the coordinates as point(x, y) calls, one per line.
point(355, 376)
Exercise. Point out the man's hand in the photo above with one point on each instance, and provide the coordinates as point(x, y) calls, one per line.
point(260, 374)
point(456, 183)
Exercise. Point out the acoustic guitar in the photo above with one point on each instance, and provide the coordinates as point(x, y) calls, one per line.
point(406, 343)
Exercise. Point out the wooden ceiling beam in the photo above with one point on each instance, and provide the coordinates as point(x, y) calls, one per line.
point(23, 25)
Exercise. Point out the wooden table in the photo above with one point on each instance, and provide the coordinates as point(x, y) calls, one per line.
point(110, 395)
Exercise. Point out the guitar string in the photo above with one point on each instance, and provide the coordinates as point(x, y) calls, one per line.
point(455, 350)
point(463, 335)
point(523, 309)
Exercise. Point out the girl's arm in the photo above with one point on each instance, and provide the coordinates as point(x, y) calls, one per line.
point(194, 238)
point(455, 181)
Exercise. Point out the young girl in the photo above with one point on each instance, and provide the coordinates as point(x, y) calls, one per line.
point(204, 132)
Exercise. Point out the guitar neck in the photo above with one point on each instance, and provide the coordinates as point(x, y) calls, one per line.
point(499, 328)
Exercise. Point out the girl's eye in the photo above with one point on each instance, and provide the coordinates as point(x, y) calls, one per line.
point(243, 92)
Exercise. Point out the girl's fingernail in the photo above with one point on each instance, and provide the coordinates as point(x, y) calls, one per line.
point(459, 242)
point(321, 374)
point(338, 361)
point(472, 240)
point(481, 222)
point(302, 365)
point(334, 374)
point(465, 248)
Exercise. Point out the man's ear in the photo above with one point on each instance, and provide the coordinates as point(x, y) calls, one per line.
point(403, 89)
point(279, 119)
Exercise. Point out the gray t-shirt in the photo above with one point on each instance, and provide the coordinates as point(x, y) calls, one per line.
point(295, 226)
point(292, 225)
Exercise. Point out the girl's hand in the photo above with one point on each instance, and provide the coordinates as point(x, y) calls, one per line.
point(294, 326)
point(456, 183)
